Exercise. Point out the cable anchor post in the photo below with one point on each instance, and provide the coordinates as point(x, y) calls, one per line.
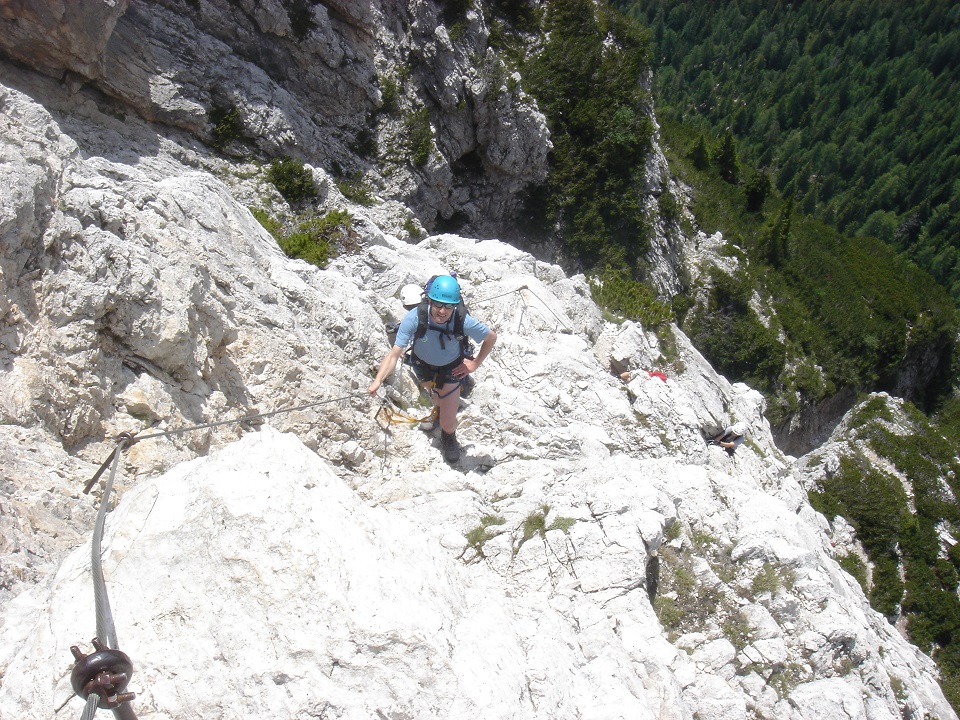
point(124, 440)
point(105, 672)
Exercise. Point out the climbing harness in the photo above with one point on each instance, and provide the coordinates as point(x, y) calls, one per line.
point(101, 677)
point(451, 391)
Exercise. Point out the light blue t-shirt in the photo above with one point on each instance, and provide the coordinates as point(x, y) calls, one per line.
point(428, 348)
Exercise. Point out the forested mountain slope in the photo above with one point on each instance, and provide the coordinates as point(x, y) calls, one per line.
point(852, 107)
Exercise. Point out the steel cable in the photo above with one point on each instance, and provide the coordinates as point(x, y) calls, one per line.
point(106, 631)
point(105, 628)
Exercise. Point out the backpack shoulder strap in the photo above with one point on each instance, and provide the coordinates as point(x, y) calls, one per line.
point(422, 311)
point(459, 317)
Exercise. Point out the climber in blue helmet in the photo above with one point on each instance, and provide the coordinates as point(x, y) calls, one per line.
point(437, 333)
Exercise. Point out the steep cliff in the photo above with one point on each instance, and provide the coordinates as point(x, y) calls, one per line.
point(336, 84)
point(590, 557)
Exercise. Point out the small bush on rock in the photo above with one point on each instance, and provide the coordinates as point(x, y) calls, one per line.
point(315, 238)
point(292, 180)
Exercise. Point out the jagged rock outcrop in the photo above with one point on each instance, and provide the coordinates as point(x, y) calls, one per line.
point(308, 80)
point(591, 556)
point(59, 36)
point(811, 426)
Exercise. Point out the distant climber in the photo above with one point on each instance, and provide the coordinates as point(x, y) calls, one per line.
point(629, 375)
point(410, 296)
point(730, 437)
point(437, 332)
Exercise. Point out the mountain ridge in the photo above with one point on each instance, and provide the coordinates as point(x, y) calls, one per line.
point(141, 293)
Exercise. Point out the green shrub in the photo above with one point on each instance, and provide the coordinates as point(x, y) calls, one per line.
point(411, 228)
point(562, 523)
point(669, 207)
point(911, 579)
point(731, 336)
point(850, 311)
point(292, 180)
point(523, 16)
point(615, 291)
point(227, 125)
point(586, 79)
point(455, 12)
point(301, 19)
point(854, 566)
point(535, 524)
point(364, 143)
point(479, 535)
point(668, 613)
point(766, 581)
point(876, 408)
point(736, 630)
point(389, 94)
point(270, 223)
point(419, 136)
point(314, 239)
point(355, 188)
point(306, 246)
point(876, 505)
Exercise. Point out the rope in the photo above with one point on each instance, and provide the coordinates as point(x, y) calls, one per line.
point(559, 319)
point(106, 630)
point(393, 416)
point(131, 438)
point(494, 297)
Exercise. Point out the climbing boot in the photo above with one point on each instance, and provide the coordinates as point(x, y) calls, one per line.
point(449, 446)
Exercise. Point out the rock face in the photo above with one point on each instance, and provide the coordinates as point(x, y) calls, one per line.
point(309, 80)
point(811, 427)
point(58, 36)
point(589, 557)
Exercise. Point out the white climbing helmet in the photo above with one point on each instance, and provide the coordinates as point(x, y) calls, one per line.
point(411, 294)
point(739, 428)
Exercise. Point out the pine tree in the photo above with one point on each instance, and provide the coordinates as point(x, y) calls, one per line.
point(778, 244)
point(756, 188)
point(700, 155)
point(727, 158)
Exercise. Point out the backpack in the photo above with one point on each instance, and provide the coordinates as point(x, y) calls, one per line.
point(459, 315)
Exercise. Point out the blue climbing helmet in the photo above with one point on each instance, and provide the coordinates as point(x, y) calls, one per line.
point(444, 289)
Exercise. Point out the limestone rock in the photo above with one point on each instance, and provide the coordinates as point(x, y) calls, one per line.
point(590, 556)
point(55, 36)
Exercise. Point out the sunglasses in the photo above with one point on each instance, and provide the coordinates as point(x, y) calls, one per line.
point(443, 306)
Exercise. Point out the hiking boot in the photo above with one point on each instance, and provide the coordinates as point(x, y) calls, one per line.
point(449, 446)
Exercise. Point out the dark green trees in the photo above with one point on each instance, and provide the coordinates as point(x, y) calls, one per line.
point(852, 106)
point(588, 81)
